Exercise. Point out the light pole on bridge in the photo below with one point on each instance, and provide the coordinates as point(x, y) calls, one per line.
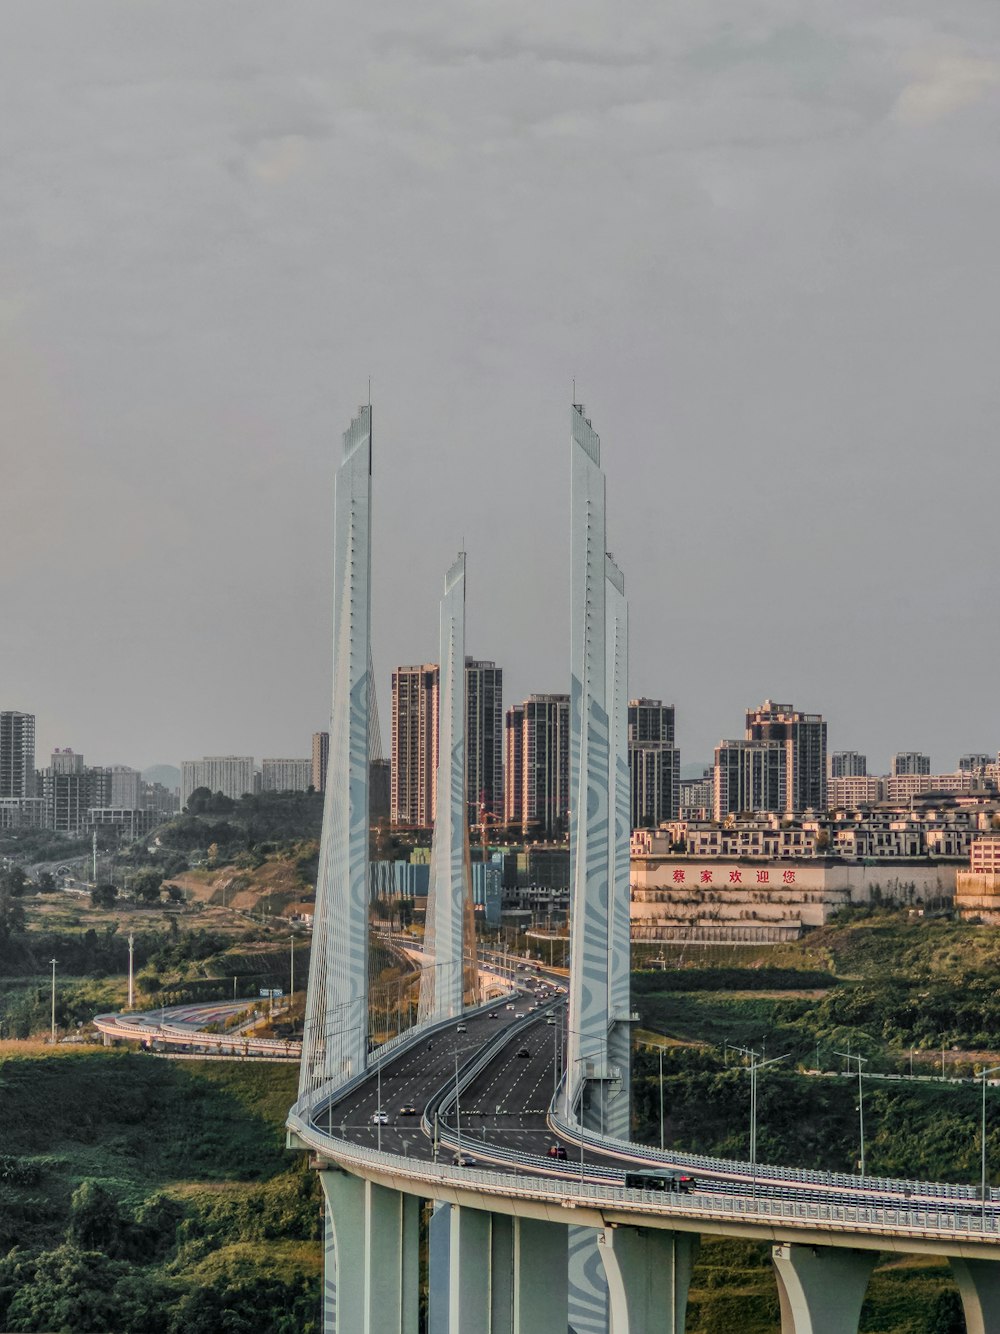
point(861, 1060)
point(756, 1064)
point(984, 1075)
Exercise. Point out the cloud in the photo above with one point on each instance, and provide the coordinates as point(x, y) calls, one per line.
point(945, 85)
point(276, 159)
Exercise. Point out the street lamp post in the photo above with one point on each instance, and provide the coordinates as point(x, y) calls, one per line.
point(861, 1060)
point(756, 1065)
point(53, 963)
point(583, 1086)
point(984, 1075)
point(661, 1099)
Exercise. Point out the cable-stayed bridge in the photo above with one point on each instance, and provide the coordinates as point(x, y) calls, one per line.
point(511, 1116)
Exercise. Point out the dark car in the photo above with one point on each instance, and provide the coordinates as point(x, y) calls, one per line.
point(523, 1051)
point(557, 1150)
point(408, 1109)
point(464, 1160)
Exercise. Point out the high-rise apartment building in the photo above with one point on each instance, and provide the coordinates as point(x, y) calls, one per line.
point(910, 762)
point(414, 744)
point(232, 775)
point(513, 745)
point(750, 775)
point(537, 790)
point(70, 789)
point(17, 754)
point(697, 796)
point(804, 737)
point(320, 759)
point(484, 739)
point(654, 763)
point(125, 791)
point(974, 763)
point(848, 764)
point(285, 775)
point(650, 720)
point(379, 791)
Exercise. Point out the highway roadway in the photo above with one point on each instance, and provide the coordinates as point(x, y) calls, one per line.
point(503, 1119)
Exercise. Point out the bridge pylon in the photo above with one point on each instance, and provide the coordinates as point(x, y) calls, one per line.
point(598, 1047)
point(451, 979)
point(335, 1038)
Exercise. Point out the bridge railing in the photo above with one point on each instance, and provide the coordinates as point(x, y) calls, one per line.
point(934, 1223)
point(695, 1162)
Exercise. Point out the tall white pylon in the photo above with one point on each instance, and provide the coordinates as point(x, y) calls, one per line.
point(449, 979)
point(599, 884)
point(335, 1045)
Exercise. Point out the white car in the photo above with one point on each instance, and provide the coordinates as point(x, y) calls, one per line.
point(380, 1118)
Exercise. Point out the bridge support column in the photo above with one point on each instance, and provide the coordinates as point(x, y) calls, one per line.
point(588, 1286)
point(648, 1273)
point(469, 1270)
point(540, 1277)
point(979, 1287)
point(371, 1281)
point(496, 1274)
point(821, 1288)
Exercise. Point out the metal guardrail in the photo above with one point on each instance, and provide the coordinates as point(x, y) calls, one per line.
point(114, 1027)
point(928, 1221)
point(905, 1222)
point(766, 1172)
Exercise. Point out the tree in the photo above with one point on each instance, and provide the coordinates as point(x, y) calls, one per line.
point(46, 882)
point(13, 879)
point(147, 885)
point(11, 916)
point(196, 801)
point(95, 1220)
point(103, 896)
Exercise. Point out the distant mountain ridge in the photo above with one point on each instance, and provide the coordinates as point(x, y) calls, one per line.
point(167, 774)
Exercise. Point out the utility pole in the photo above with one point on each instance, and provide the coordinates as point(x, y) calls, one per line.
point(131, 974)
point(291, 956)
point(94, 847)
point(53, 962)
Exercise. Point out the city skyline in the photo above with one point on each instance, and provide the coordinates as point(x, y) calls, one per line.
point(690, 760)
point(795, 348)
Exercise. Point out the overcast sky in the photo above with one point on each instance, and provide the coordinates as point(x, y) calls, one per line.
point(761, 234)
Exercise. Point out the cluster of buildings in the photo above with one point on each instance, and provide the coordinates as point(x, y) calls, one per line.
point(769, 841)
point(69, 796)
point(517, 762)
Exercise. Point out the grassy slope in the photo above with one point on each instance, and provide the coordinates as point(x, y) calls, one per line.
point(926, 1131)
point(207, 1134)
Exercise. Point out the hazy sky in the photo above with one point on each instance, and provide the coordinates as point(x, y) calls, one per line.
point(761, 234)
